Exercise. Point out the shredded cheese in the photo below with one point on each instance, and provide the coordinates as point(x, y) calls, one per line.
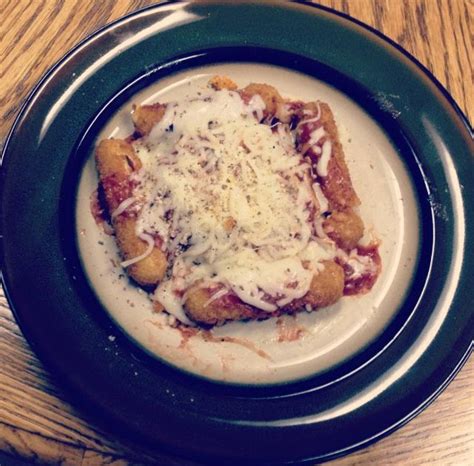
point(316, 135)
point(323, 162)
point(313, 118)
point(151, 244)
point(123, 206)
point(322, 201)
point(360, 265)
point(230, 199)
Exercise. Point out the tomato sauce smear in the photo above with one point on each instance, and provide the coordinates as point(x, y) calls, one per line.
point(99, 211)
point(362, 283)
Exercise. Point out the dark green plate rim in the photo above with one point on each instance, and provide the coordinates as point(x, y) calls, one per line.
point(160, 406)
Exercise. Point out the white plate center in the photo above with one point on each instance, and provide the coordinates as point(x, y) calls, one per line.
point(288, 348)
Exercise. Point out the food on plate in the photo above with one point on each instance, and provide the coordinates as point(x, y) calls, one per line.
point(236, 204)
point(116, 162)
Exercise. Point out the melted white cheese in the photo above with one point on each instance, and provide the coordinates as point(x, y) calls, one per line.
point(316, 135)
point(322, 200)
point(225, 194)
point(323, 162)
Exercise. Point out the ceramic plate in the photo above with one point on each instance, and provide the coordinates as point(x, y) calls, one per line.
point(355, 371)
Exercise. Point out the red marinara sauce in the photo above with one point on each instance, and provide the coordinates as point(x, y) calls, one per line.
point(364, 282)
point(98, 211)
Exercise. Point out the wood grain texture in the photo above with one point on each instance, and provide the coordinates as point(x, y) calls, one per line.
point(36, 421)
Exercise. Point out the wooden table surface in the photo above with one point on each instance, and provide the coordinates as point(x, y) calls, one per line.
point(36, 421)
